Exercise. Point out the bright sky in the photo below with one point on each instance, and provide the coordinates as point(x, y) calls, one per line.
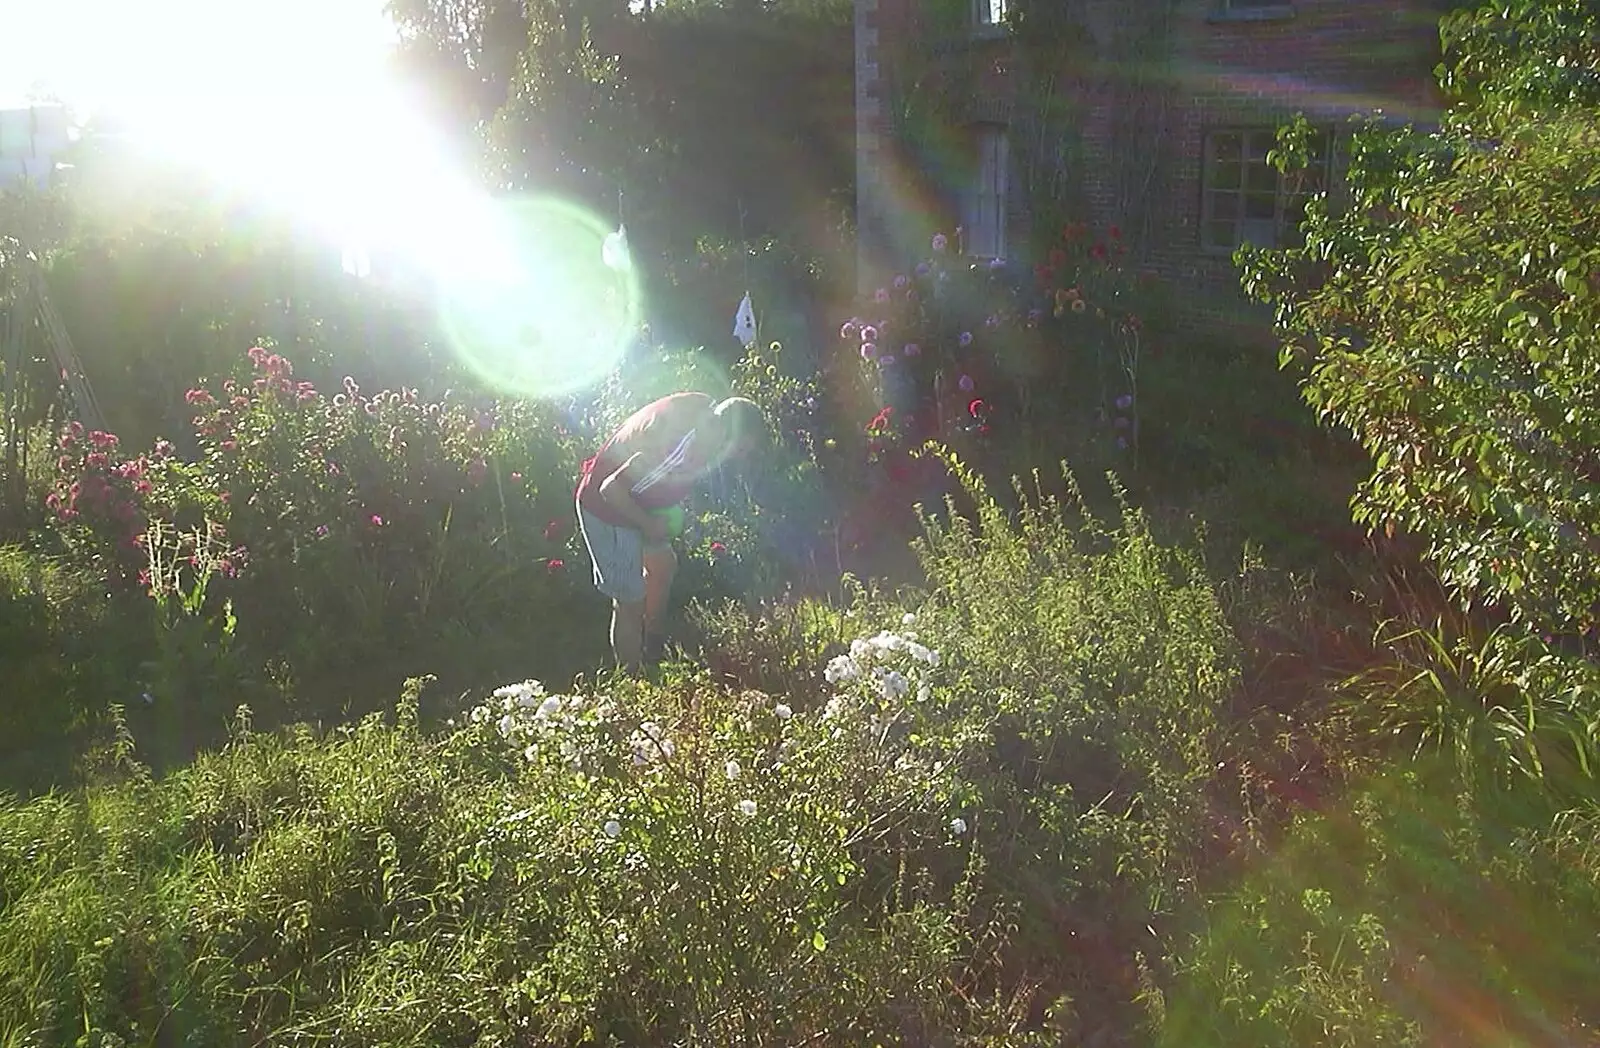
point(289, 101)
point(153, 51)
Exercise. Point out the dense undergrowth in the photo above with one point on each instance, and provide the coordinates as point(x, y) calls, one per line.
point(1031, 802)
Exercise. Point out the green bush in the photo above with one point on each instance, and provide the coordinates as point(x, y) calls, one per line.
point(1104, 661)
point(342, 527)
point(1412, 914)
point(1085, 668)
point(1446, 317)
point(567, 869)
point(68, 651)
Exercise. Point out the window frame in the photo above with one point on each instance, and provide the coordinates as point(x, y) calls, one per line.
point(1286, 200)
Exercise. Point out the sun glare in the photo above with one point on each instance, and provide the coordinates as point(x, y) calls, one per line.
point(294, 104)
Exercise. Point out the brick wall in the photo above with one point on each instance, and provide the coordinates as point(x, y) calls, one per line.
point(1328, 58)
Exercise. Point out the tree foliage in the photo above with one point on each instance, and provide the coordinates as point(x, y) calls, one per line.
point(1447, 316)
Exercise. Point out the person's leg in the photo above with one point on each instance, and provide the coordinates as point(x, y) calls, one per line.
point(618, 556)
point(627, 634)
point(660, 565)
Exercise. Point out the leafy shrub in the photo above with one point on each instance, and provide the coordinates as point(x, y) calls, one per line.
point(561, 867)
point(67, 652)
point(1446, 317)
point(325, 530)
point(1105, 661)
point(1500, 707)
point(1086, 669)
point(1409, 915)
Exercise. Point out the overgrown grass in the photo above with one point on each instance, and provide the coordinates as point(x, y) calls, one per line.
point(381, 886)
point(66, 649)
point(1045, 798)
point(1411, 914)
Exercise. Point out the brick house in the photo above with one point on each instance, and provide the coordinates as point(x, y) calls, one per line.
point(1170, 147)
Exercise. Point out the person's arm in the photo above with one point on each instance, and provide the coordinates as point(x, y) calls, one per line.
point(615, 494)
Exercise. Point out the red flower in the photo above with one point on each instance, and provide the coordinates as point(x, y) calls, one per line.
point(555, 564)
point(976, 407)
point(1114, 233)
point(718, 548)
point(1098, 251)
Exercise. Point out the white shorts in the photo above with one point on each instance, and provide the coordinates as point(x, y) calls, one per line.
point(618, 556)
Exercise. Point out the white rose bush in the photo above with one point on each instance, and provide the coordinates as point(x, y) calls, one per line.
point(658, 822)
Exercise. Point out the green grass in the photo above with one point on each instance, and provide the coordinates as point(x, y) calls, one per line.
point(1085, 822)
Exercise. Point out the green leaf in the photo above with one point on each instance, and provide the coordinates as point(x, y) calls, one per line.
point(819, 942)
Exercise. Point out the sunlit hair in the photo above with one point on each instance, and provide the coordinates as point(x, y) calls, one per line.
point(745, 423)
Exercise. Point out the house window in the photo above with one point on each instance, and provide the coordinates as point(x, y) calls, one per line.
point(990, 14)
point(984, 213)
point(1244, 198)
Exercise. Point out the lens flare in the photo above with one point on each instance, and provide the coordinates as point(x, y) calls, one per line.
point(544, 312)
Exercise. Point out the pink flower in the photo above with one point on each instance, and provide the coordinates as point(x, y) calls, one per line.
point(718, 549)
point(966, 383)
point(869, 333)
point(901, 281)
point(881, 295)
point(868, 350)
point(198, 396)
point(377, 521)
point(976, 408)
point(554, 564)
point(940, 242)
point(516, 478)
point(850, 329)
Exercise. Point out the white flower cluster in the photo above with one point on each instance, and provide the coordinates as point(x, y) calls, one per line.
point(870, 660)
point(525, 714)
point(650, 743)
